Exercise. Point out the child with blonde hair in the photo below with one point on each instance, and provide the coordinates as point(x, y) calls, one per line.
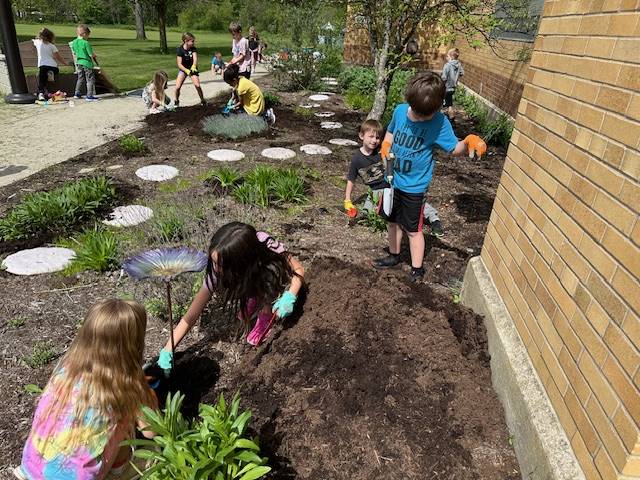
point(85, 61)
point(451, 73)
point(48, 60)
point(154, 95)
point(93, 400)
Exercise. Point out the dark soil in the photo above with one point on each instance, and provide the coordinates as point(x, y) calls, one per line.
point(373, 377)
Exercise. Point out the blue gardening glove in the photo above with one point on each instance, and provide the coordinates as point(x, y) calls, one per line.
point(165, 361)
point(283, 306)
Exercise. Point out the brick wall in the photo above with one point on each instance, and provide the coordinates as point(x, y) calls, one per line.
point(563, 243)
point(494, 74)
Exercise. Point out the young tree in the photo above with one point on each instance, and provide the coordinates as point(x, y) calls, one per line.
point(160, 7)
point(392, 24)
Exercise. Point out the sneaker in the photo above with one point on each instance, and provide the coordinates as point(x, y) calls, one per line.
point(436, 229)
point(203, 103)
point(416, 274)
point(91, 98)
point(41, 97)
point(386, 262)
point(270, 116)
point(176, 103)
point(77, 96)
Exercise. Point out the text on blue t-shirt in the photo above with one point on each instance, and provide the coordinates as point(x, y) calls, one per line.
point(413, 144)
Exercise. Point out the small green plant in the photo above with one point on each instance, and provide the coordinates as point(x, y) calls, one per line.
point(175, 186)
point(96, 249)
point(373, 221)
point(157, 307)
point(58, 210)
point(298, 72)
point(169, 225)
point(228, 177)
point(15, 322)
point(33, 389)
point(330, 64)
point(303, 112)
point(132, 145)
point(358, 100)
point(288, 187)
point(233, 126)
point(213, 446)
point(271, 99)
point(498, 130)
point(41, 354)
point(363, 78)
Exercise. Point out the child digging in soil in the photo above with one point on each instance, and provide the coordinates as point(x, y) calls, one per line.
point(253, 274)
point(187, 60)
point(246, 96)
point(366, 163)
point(154, 96)
point(92, 400)
point(415, 129)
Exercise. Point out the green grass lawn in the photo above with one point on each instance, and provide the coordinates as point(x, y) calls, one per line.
point(128, 62)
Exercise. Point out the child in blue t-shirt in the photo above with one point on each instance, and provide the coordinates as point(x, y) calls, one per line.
point(217, 64)
point(415, 129)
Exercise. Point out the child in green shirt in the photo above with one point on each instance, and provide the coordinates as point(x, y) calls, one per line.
point(85, 60)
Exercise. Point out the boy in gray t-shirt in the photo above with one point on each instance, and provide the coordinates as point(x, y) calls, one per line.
point(451, 73)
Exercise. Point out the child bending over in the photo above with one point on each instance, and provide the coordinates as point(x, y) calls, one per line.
point(154, 95)
point(48, 60)
point(247, 96)
point(93, 400)
point(415, 129)
point(253, 274)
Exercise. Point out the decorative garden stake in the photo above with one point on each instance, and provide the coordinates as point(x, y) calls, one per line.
point(165, 264)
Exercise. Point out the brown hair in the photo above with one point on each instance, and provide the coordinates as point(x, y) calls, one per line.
point(188, 36)
point(160, 79)
point(82, 28)
point(425, 93)
point(371, 124)
point(46, 35)
point(454, 53)
point(235, 27)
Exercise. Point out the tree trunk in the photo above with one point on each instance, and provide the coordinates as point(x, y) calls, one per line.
point(382, 74)
point(137, 12)
point(162, 27)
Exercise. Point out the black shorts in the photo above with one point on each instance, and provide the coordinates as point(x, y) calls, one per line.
point(448, 98)
point(407, 210)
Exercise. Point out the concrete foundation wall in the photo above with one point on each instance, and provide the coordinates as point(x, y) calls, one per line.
point(5, 85)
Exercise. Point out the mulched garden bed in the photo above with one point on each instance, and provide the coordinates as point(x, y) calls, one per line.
point(372, 378)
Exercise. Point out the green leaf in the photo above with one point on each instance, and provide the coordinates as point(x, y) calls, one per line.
point(244, 443)
point(241, 422)
point(256, 473)
point(248, 457)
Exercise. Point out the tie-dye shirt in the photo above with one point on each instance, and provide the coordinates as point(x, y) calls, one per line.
point(47, 454)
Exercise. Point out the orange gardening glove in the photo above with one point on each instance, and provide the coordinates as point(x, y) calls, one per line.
point(475, 145)
point(385, 150)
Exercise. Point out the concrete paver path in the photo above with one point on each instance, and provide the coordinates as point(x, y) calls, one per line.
point(33, 137)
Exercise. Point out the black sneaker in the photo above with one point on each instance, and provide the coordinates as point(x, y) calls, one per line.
point(203, 103)
point(416, 274)
point(436, 229)
point(386, 262)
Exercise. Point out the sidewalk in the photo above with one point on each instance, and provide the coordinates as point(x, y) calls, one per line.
point(33, 137)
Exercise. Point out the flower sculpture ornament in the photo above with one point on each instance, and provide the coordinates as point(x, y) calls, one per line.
point(165, 264)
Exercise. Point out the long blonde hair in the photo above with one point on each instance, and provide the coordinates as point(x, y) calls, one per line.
point(160, 79)
point(105, 362)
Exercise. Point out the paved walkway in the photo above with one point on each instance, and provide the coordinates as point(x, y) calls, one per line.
point(33, 137)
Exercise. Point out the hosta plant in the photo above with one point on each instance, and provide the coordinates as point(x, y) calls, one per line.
point(213, 446)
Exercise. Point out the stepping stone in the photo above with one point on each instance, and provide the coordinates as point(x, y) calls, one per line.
point(324, 114)
point(344, 142)
point(327, 94)
point(114, 167)
point(225, 155)
point(319, 97)
point(310, 105)
point(331, 83)
point(128, 216)
point(86, 170)
point(330, 125)
point(329, 79)
point(313, 149)
point(278, 153)
point(157, 173)
point(38, 260)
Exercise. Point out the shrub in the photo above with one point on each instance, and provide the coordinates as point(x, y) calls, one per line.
point(58, 210)
point(132, 145)
point(358, 100)
point(330, 64)
point(213, 446)
point(298, 72)
point(96, 249)
point(271, 99)
point(363, 74)
point(41, 354)
point(395, 96)
point(169, 225)
point(233, 126)
point(206, 15)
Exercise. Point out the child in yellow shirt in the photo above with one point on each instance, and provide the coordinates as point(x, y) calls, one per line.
point(247, 95)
